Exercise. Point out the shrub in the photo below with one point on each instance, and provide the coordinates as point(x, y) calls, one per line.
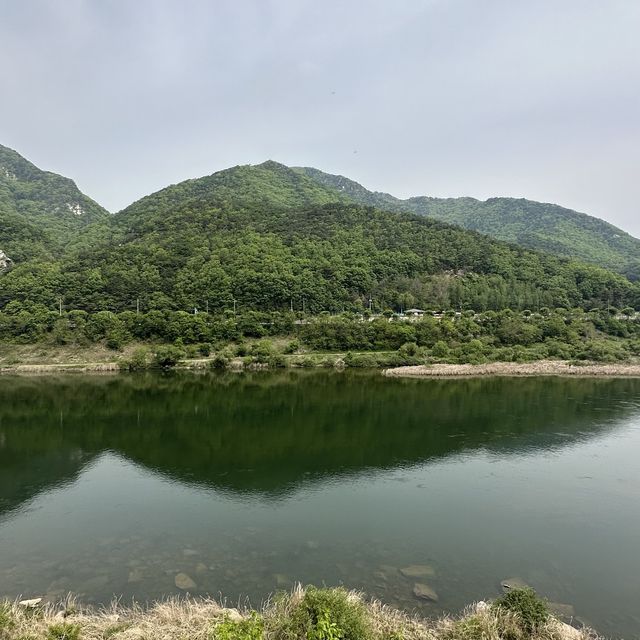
point(360, 360)
point(167, 356)
point(63, 631)
point(292, 347)
point(532, 611)
point(204, 349)
point(322, 614)
point(138, 360)
point(251, 628)
point(219, 361)
point(262, 351)
point(440, 349)
point(277, 361)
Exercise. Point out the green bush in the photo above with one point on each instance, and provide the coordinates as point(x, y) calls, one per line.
point(277, 361)
point(63, 631)
point(361, 360)
point(204, 349)
point(251, 628)
point(138, 361)
point(292, 347)
point(219, 361)
point(324, 614)
point(262, 351)
point(167, 356)
point(532, 611)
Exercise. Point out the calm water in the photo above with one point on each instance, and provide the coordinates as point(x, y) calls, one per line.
point(113, 485)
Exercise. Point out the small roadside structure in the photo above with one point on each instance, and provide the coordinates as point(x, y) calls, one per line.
point(415, 313)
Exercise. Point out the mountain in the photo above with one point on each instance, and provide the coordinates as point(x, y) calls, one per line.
point(40, 212)
point(537, 225)
point(270, 238)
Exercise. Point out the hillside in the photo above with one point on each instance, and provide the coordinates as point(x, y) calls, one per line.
point(270, 239)
point(537, 225)
point(40, 212)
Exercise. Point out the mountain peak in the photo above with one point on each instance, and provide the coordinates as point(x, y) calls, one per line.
point(41, 212)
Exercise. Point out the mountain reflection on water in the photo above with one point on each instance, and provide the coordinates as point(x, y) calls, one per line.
point(254, 480)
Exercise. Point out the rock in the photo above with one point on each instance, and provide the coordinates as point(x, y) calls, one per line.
point(513, 583)
point(232, 614)
point(282, 580)
point(418, 571)
point(94, 584)
point(137, 574)
point(30, 604)
point(5, 261)
point(184, 582)
point(188, 553)
point(424, 592)
point(567, 632)
point(201, 568)
point(482, 606)
point(561, 610)
point(388, 569)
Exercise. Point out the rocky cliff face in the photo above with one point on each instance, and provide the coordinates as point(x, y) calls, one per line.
point(5, 261)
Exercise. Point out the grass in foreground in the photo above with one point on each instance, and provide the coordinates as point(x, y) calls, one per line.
point(304, 614)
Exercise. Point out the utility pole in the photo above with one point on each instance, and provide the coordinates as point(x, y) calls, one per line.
point(370, 303)
point(291, 305)
point(137, 306)
point(304, 304)
point(60, 306)
point(234, 306)
point(207, 306)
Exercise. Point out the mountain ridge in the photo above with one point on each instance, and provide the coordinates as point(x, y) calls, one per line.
point(537, 225)
point(40, 211)
point(269, 238)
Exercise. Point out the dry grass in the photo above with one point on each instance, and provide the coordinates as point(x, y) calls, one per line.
point(539, 368)
point(205, 619)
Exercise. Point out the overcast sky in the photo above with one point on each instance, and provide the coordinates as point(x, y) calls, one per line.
point(531, 98)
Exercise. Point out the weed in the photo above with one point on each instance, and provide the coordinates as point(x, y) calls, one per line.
point(532, 611)
point(63, 631)
point(251, 628)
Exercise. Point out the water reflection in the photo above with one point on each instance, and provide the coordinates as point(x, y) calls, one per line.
point(112, 485)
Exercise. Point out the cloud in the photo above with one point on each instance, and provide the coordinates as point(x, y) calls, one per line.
point(443, 98)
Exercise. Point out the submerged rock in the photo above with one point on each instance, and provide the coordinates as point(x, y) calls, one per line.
point(201, 568)
point(418, 571)
point(514, 583)
point(425, 592)
point(282, 580)
point(561, 610)
point(185, 582)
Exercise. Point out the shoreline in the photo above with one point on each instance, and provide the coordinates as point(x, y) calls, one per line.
point(303, 613)
point(538, 368)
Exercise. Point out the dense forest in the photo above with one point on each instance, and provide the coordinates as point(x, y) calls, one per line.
point(537, 225)
point(262, 250)
point(270, 240)
point(40, 212)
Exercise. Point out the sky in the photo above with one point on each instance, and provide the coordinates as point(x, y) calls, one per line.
point(536, 99)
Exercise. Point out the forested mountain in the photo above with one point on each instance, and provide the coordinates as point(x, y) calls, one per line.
point(271, 238)
point(40, 212)
point(537, 225)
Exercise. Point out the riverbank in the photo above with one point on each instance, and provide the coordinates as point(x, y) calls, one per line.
point(539, 368)
point(303, 614)
point(337, 361)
